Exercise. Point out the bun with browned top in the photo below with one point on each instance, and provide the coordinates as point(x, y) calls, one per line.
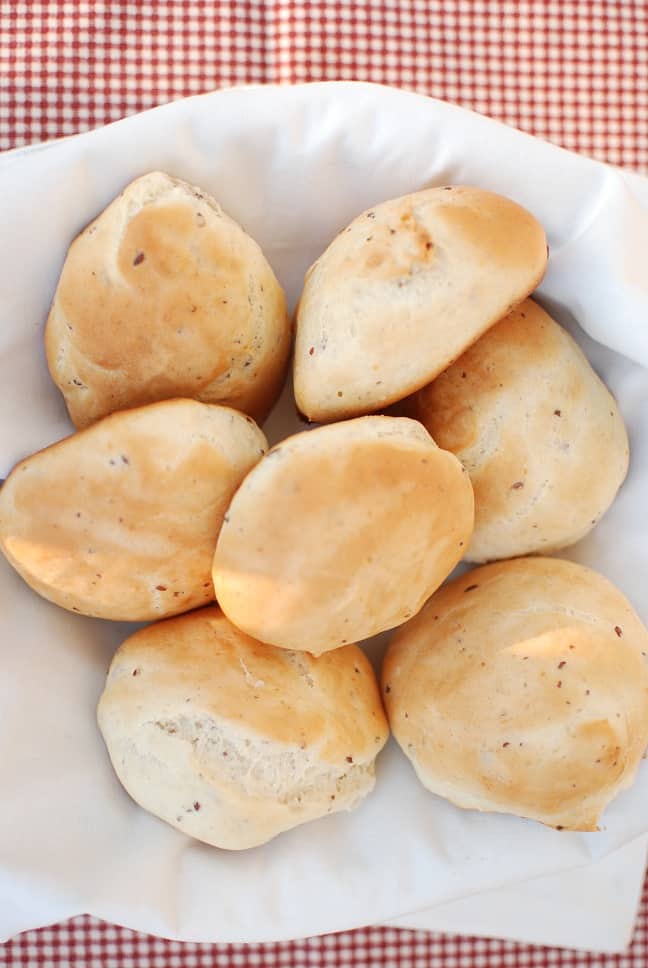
point(232, 741)
point(522, 687)
point(405, 289)
point(340, 533)
point(120, 520)
point(539, 433)
point(164, 295)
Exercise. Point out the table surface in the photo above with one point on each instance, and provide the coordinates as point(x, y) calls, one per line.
point(575, 73)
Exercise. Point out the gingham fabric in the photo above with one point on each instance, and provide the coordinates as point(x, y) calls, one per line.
point(90, 943)
point(573, 72)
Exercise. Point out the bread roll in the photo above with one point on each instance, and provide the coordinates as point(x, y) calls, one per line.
point(232, 741)
point(120, 520)
point(164, 295)
point(539, 433)
point(522, 687)
point(405, 289)
point(341, 532)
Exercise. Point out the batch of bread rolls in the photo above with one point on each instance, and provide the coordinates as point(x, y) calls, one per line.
point(451, 418)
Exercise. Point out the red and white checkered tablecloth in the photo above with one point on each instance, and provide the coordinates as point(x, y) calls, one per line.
point(572, 71)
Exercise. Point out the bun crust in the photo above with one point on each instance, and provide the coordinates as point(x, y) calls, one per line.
point(340, 533)
point(522, 687)
point(163, 296)
point(232, 741)
point(405, 289)
point(120, 521)
point(540, 435)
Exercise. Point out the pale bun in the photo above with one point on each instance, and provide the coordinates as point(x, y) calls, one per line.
point(522, 687)
point(540, 435)
point(120, 521)
point(164, 295)
point(405, 289)
point(232, 741)
point(340, 533)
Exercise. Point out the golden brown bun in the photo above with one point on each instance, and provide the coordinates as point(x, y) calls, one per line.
point(120, 520)
point(522, 687)
point(539, 433)
point(164, 295)
point(232, 741)
point(401, 292)
point(341, 532)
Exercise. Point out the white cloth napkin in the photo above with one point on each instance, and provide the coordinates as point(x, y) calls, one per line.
point(593, 907)
point(293, 165)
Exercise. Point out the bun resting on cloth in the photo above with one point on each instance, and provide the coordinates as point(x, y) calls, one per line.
point(120, 521)
point(404, 290)
point(540, 435)
point(232, 741)
point(522, 687)
point(164, 295)
point(340, 533)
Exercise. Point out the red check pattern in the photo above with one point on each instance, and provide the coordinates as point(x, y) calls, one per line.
point(85, 942)
point(573, 72)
